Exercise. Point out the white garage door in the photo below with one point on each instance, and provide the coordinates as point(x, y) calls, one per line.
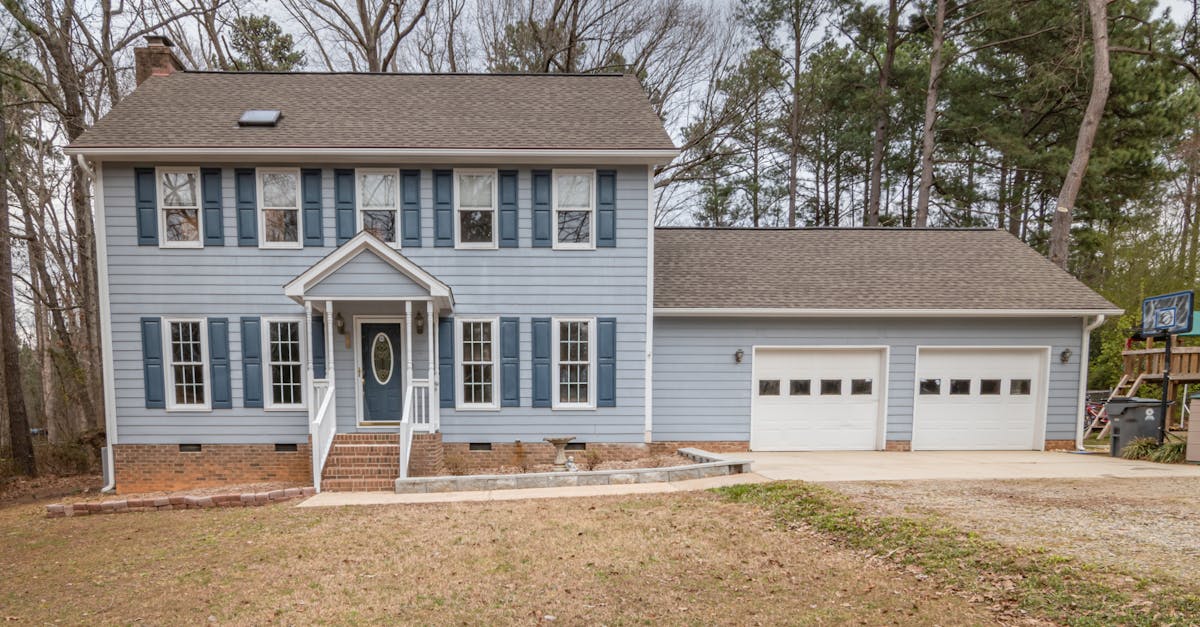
point(817, 399)
point(979, 399)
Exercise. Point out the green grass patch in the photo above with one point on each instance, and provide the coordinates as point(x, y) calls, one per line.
point(1059, 588)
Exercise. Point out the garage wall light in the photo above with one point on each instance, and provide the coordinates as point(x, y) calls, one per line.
point(738, 355)
point(1065, 355)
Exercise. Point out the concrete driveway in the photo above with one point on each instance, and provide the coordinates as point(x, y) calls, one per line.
point(886, 466)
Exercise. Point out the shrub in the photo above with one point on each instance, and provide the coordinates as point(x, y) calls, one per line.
point(1140, 448)
point(456, 463)
point(1171, 452)
point(591, 459)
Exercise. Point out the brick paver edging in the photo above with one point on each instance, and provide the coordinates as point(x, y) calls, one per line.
point(248, 499)
point(707, 465)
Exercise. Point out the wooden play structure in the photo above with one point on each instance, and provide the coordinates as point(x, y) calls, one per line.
point(1145, 365)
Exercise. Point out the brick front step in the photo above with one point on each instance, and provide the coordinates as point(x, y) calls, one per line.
point(362, 460)
point(361, 438)
point(379, 450)
point(343, 472)
point(358, 485)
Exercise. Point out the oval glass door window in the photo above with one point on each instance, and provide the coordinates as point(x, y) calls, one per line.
point(381, 358)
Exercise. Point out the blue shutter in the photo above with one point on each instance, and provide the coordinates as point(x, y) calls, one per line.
point(606, 362)
point(343, 199)
point(247, 206)
point(214, 220)
point(146, 200)
point(218, 363)
point(318, 347)
point(410, 208)
point(542, 216)
point(446, 361)
point(310, 192)
point(541, 362)
point(443, 208)
point(252, 367)
point(510, 362)
point(606, 209)
point(152, 363)
point(508, 209)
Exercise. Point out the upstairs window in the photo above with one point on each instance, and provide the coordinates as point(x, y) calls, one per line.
point(475, 208)
point(379, 203)
point(279, 207)
point(574, 205)
point(179, 206)
point(187, 351)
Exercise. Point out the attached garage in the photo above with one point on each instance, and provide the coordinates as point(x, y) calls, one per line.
point(980, 398)
point(817, 399)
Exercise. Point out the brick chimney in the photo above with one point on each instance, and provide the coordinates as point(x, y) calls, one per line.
point(156, 58)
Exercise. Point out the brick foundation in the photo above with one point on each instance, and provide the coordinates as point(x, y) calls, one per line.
point(899, 446)
point(162, 467)
point(426, 459)
point(1060, 445)
point(712, 446)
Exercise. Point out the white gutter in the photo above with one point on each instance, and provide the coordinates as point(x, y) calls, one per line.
point(106, 349)
point(391, 155)
point(1085, 350)
point(767, 312)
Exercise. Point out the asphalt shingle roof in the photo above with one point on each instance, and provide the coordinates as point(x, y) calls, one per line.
point(399, 111)
point(858, 268)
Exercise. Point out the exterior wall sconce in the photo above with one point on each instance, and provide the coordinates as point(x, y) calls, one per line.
point(419, 322)
point(340, 323)
point(1065, 355)
point(738, 355)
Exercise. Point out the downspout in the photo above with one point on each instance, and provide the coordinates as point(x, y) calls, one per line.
point(110, 416)
point(1085, 351)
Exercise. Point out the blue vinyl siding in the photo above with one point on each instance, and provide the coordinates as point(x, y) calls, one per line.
point(701, 393)
point(235, 282)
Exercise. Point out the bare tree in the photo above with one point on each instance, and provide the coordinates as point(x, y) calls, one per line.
point(365, 37)
point(1060, 229)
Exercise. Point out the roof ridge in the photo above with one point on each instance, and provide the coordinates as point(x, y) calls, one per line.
point(787, 229)
point(438, 74)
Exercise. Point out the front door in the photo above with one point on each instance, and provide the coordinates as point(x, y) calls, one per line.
point(382, 372)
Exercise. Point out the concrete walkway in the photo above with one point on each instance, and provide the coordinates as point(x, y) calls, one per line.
point(333, 499)
point(884, 466)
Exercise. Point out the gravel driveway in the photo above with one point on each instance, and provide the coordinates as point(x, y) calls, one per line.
point(1142, 526)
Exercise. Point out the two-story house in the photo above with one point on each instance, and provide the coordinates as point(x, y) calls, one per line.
point(298, 263)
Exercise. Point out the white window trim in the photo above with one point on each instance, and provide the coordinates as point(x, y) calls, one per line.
point(262, 222)
point(161, 208)
point(268, 404)
point(169, 365)
point(459, 403)
point(358, 199)
point(458, 243)
point(591, 243)
point(556, 352)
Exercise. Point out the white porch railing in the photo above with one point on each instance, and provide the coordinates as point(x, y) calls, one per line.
point(323, 427)
point(415, 416)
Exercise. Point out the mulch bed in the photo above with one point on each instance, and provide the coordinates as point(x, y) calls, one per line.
point(655, 461)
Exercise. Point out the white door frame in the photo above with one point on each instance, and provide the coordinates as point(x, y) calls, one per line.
point(358, 321)
point(1043, 396)
point(885, 380)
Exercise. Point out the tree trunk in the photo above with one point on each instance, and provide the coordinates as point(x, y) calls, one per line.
point(1016, 206)
point(1060, 231)
point(881, 119)
point(14, 393)
point(931, 100)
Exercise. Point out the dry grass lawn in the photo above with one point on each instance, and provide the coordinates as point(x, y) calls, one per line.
point(676, 559)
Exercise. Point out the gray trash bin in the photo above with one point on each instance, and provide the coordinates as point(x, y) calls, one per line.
point(1133, 418)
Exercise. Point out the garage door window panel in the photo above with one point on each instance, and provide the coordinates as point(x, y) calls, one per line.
point(1020, 387)
point(861, 387)
point(960, 387)
point(831, 387)
point(931, 387)
point(989, 387)
point(768, 387)
point(800, 387)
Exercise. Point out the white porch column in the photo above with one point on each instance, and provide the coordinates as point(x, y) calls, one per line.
point(435, 386)
point(432, 399)
point(329, 343)
point(311, 391)
point(408, 370)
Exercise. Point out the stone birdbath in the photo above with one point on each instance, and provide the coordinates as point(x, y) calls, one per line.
point(560, 451)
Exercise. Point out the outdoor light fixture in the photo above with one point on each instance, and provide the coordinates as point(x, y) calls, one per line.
point(419, 322)
point(738, 355)
point(341, 323)
point(1065, 355)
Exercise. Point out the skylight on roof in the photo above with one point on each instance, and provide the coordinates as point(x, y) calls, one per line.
point(259, 117)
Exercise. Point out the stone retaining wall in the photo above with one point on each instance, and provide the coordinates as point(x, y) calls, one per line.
point(157, 503)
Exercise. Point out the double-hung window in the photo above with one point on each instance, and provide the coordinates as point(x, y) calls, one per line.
point(574, 362)
point(179, 206)
point(574, 205)
point(477, 364)
point(379, 203)
point(279, 207)
point(186, 348)
point(475, 208)
point(284, 350)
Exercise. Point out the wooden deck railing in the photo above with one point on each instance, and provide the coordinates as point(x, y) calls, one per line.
point(1185, 362)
